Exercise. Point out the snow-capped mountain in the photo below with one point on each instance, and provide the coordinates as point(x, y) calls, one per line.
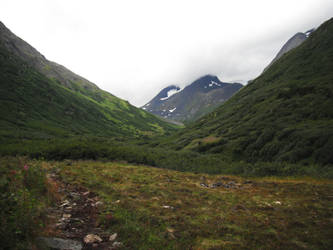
point(161, 97)
point(192, 102)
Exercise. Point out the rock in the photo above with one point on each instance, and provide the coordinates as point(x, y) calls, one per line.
point(113, 237)
point(217, 184)
point(204, 185)
point(170, 207)
point(277, 202)
point(58, 243)
point(170, 230)
point(97, 204)
point(75, 196)
point(65, 203)
point(92, 238)
point(117, 244)
point(61, 225)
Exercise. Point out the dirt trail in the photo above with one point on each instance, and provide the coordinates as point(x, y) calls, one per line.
point(74, 217)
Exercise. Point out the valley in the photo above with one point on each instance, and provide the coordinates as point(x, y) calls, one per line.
point(251, 168)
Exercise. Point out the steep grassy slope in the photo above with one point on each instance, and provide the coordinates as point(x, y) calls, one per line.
point(286, 114)
point(34, 106)
point(32, 57)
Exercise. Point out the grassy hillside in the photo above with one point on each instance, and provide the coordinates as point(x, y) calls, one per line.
point(286, 114)
point(36, 107)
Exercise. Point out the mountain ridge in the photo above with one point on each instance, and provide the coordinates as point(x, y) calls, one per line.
point(30, 55)
point(193, 101)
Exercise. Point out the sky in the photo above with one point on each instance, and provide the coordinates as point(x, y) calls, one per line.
point(133, 49)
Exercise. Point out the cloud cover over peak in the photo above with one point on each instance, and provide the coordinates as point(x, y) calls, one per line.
point(133, 49)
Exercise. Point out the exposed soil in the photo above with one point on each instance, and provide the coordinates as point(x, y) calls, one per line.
point(74, 215)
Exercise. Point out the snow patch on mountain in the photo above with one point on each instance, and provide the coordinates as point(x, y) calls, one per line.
point(170, 93)
point(171, 110)
point(309, 32)
point(212, 83)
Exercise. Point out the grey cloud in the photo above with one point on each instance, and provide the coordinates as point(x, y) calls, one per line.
point(133, 49)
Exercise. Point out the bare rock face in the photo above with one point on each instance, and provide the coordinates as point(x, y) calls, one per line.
point(292, 43)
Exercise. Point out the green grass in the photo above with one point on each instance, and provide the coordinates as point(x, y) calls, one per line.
point(270, 213)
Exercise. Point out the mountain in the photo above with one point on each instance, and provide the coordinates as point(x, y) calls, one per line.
point(30, 55)
point(163, 95)
point(41, 99)
point(284, 115)
point(192, 102)
point(292, 43)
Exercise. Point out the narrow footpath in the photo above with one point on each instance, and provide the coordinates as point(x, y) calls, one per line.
point(72, 221)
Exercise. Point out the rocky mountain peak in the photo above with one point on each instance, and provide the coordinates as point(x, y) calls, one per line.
point(292, 43)
point(195, 100)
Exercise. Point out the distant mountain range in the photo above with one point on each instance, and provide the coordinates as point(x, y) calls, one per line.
point(42, 99)
point(192, 102)
point(284, 115)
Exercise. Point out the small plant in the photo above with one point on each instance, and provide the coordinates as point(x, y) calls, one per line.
point(22, 201)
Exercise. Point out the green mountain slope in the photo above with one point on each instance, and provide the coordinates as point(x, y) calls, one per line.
point(32, 57)
point(286, 114)
point(34, 106)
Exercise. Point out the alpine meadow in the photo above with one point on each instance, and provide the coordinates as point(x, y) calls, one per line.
point(210, 165)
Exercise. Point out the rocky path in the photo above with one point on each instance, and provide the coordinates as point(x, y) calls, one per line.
point(73, 220)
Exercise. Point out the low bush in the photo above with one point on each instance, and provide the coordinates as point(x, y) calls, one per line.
point(23, 198)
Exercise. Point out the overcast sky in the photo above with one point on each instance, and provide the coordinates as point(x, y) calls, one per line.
point(133, 49)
